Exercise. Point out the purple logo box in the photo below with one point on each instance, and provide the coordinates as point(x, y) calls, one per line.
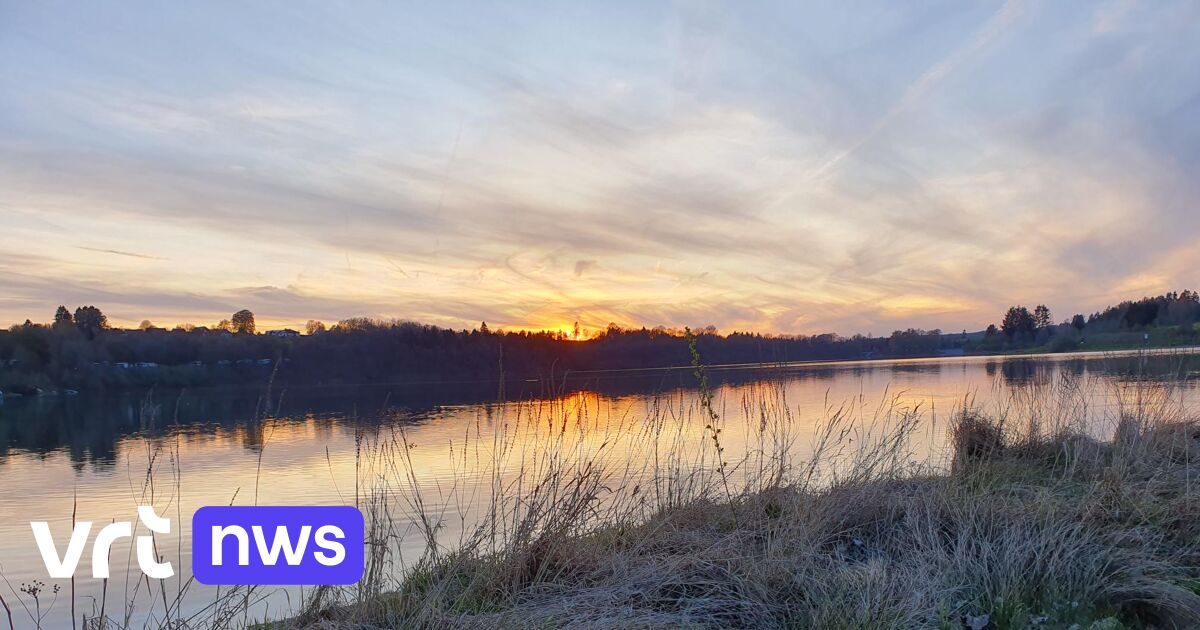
point(317, 544)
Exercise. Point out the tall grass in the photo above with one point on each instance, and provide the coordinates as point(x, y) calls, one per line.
point(129, 599)
point(566, 513)
point(567, 517)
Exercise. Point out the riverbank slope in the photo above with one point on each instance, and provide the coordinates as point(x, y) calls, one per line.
point(1024, 529)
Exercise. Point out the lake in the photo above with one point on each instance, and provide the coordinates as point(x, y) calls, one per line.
point(102, 455)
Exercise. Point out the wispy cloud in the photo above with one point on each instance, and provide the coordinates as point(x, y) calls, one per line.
point(779, 167)
point(118, 252)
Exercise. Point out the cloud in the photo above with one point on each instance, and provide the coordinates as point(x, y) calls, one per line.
point(780, 168)
point(118, 253)
point(582, 266)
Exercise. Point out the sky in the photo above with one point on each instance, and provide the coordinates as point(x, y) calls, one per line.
point(851, 167)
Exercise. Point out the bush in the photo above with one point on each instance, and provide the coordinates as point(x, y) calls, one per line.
point(1063, 342)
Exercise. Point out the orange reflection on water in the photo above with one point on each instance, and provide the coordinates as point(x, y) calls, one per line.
point(455, 458)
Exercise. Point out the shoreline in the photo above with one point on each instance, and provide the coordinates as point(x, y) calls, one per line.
point(1024, 530)
point(1159, 351)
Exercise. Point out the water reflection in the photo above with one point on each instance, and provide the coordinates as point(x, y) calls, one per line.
point(89, 427)
point(90, 453)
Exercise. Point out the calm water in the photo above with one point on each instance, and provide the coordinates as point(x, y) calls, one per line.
point(104, 455)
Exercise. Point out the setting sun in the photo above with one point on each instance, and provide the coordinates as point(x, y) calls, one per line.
point(682, 314)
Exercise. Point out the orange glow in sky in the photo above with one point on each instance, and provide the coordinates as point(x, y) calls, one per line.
point(782, 169)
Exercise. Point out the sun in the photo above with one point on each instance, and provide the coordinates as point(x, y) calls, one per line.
point(573, 332)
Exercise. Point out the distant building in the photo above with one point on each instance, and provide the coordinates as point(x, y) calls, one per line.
point(285, 333)
point(147, 365)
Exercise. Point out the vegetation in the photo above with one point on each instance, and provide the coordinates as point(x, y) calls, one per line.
point(1018, 517)
point(1160, 321)
point(81, 350)
point(243, 322)
point(1029, 522)
point(361, 351)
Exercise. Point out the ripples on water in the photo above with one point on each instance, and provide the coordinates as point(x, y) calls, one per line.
point(454, 446)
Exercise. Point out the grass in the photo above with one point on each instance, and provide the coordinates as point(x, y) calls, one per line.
point(1029, 522)
point(556, 514)
point(1160, 337)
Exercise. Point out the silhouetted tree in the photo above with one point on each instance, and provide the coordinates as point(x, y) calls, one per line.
point(62, 316)
point(145, 325)
point(364, 350)
point(243, 322)
point(914, 342)
point(313, 326)
point(1018, 320)
point(1169, 309)
point(1078, 322)
point(1141, 313)
point(1041, 316)
point(90, 320)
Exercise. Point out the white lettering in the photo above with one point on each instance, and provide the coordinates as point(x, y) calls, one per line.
point(338, 549)
point(243, 541)
point(45, 542)
point(281, 541)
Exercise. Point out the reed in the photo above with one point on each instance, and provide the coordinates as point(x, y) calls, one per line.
point(1025, 519)
point(565, 513)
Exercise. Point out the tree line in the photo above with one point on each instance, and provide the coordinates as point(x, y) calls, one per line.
point(1021, 327)
point(79, 349)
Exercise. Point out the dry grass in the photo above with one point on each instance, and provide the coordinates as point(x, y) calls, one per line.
point(1033, 524)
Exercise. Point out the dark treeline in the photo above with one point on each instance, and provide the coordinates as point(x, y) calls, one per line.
point(365, 351)
point(1170, 309)
point(1167, 319)
point(81, 351)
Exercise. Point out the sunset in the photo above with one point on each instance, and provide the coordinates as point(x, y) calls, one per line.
point(777, 169)
point(653, 315)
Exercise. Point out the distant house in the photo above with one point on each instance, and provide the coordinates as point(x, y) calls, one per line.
point(286, 333)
